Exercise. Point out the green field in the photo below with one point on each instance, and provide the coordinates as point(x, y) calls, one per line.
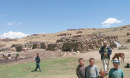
point(63, 67)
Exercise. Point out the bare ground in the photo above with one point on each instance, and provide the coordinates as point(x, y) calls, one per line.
point(29, 56)
point(97, 56)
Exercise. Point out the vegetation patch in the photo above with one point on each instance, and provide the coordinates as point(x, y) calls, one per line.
point(122, 48)
point(61, 67)
point(51, 68)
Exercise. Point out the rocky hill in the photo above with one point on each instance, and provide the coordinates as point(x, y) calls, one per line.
point(121, 32)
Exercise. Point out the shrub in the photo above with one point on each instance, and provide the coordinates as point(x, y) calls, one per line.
point(122, 48)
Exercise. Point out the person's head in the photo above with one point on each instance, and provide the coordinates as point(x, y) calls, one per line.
point(81, 61)
point(37, 55)
point(116, 64)
point(102, 73)
point(105, 43)
point(91, 61)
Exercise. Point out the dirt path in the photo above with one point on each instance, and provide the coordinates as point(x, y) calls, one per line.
point(97, 56)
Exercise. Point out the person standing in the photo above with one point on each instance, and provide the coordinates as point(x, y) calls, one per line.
point(116, 72)
point(80, 70)
point(91, 71)
point(105, 52)
point(37, 59)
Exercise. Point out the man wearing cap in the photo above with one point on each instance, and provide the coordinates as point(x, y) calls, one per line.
point(116, 72)
point(105, 52)
point(37, 59)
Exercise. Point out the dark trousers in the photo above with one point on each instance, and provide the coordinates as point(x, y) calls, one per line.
point(38, 66)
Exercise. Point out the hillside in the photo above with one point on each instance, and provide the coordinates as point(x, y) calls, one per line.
point(121, 32)
point(53, 64)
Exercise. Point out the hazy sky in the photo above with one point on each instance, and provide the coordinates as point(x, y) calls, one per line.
point(19, 18)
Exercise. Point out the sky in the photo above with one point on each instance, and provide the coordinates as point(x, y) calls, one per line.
point(19, 18)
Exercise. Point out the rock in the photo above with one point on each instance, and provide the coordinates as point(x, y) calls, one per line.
point(128, 33)
point(22, 57)
point(69, 54)
point(78, 51)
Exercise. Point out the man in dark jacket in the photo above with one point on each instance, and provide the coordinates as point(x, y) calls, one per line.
point(105, 52)
point(37, 59)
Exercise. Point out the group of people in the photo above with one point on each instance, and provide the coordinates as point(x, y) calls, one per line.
point(91, 71)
